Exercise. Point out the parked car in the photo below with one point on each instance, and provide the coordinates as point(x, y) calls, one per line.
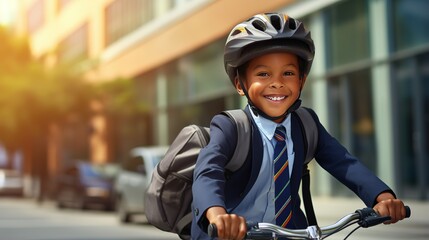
point(84, 185)
point(11, 182)
point(133, 179)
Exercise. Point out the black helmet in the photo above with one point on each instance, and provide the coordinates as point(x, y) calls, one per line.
point(265, 33)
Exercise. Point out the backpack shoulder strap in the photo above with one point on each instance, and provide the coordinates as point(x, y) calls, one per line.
point(311, 133)
point(243, 140)
point(311, 136)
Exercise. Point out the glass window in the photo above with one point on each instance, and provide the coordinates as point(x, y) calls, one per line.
point(197, 77)
point(412, 102)
point(200, 113)
point(75, 46)
point(352, 122)
point(348, 32)
point(176, 87)
point(351, 118)
point(208, 76)
point(125, 16)
point(423, 68)
point(145, 87)
point(404, 75)
point(410, 23)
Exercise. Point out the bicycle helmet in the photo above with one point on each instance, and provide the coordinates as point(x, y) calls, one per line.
point(267, 33)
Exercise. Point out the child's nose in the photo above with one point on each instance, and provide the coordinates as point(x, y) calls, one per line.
point(276, 82)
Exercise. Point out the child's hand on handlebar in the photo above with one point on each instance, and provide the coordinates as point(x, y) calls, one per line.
point(388, 205)
point(229, 226)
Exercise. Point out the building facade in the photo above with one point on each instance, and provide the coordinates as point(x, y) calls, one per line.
point(369, 83)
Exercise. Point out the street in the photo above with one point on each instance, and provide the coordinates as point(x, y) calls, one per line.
point(24, 219)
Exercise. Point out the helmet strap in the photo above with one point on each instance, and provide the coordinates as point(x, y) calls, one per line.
point(258, 111)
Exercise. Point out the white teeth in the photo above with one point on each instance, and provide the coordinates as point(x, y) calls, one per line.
point(276, 98)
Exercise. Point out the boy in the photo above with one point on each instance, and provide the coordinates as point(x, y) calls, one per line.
point(268, 58)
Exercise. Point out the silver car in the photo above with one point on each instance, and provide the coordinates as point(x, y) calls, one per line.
point(11, 182)
point(133, 179)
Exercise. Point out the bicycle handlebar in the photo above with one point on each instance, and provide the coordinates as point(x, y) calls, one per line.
point(365, 217)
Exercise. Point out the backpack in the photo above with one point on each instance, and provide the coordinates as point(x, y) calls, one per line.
point(168, 198)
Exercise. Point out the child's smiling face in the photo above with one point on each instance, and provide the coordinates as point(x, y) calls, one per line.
point(273, 83)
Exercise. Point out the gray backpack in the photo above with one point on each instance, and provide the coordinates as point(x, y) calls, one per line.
point(169, 195)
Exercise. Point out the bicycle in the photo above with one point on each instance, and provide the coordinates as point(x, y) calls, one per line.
point(365, 217)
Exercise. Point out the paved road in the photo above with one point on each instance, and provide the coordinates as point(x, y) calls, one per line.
point(26, 220)
point(23, 219)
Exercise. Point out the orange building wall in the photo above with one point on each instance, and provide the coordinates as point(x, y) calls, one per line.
point(205, 26)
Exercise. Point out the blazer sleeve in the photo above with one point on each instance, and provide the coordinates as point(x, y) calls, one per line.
point(209, 174)
point(346, 168)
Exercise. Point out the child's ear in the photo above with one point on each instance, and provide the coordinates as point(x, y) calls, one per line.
point(238, 86)
point(303, 79)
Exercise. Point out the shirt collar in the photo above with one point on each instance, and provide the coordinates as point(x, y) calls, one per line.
point(268, 127)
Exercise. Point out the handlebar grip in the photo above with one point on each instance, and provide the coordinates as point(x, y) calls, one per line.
point(368, 217)
point(407, 211)
point(212, 230)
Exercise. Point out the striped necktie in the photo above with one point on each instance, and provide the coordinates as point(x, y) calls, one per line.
point(281, 179)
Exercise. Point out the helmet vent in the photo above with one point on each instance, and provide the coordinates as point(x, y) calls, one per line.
point(292, 23)
point(275, 21)
point(236, 31)
point(258, 24)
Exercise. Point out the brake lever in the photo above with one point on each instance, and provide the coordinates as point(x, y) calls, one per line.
point(253, 232)
point(373, 220)
point(369, 218)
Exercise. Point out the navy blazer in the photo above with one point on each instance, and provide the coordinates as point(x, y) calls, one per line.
point(214, 187)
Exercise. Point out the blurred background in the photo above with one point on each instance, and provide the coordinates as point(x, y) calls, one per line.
point(90, 80)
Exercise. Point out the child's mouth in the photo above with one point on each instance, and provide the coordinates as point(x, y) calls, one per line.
point(275, 98)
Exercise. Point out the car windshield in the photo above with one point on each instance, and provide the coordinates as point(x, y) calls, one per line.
point(89, 170)
point(101, 170)
point(156, 159)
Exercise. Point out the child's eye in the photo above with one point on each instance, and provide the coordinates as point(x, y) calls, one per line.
point(289, 73)
point(262, 74)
